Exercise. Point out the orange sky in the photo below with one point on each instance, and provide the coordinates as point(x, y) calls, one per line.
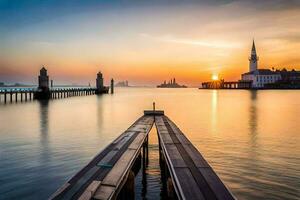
point(149, 44)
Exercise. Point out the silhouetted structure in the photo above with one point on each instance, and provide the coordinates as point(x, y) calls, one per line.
point(100, 88)
point(43, 92)
point(112, 86)
point(122, 84)
point(43, 88)
point(221, 84)
point(171, 84)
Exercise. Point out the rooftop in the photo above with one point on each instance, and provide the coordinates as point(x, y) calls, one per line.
point(261, 72)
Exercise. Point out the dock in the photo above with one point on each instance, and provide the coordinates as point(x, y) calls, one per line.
point(45, 92)
point(111, 173)
point(10, 95)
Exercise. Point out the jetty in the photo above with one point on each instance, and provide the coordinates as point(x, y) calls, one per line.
point(111, 173)
point(46, 92)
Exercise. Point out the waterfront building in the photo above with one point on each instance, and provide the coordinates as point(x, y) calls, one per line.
point(259, 77)
point(289, 76)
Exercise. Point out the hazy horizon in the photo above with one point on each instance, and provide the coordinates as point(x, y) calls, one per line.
point(145, 42)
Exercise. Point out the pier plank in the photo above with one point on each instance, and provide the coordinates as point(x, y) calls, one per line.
point(192, 176)
point(166, 138)
point(90, 191)
point(110, 167)
point(105, 175)
point(174, 155)
point(195, 155)
point(116, 174)
point(104, 192)
point(215, 183)
point(186, 178)
point(138, 141)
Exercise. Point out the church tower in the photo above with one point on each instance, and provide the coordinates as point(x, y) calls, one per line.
point(253, 59)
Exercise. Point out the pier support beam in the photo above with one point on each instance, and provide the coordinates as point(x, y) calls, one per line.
point(128, 188)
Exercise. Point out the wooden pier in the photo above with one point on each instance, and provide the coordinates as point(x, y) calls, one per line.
point(45, 92)
point(190, 174)
point(110, 175)
point(10, 95)
point(221, 84)
point(28, 94)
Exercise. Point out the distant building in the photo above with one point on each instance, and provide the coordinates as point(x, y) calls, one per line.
point(122, 84)
point(259, 77)
point(2, 84)
point(171, 84)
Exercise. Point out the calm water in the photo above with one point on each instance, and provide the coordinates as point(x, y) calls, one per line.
point(252, 139)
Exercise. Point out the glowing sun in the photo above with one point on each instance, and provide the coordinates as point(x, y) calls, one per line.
point(215, 77)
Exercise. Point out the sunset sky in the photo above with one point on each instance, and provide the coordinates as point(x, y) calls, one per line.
point(145, 42)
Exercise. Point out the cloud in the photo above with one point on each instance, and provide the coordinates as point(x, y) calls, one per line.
point(195, 42)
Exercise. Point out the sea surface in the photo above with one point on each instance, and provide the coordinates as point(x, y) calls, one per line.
point(250, 138)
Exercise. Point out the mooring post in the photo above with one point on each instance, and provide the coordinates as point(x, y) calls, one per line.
point(112, 86)
point(11, 94)
point(21, 96)
point(16, 96)
point(25, 96)
point(5, 96)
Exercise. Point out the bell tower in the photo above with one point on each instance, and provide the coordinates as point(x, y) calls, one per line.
point(253, 59)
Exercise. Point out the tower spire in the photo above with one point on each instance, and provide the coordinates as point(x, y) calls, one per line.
point(253, 58)
point(253, 48)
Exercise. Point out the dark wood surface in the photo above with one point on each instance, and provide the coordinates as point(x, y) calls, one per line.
point(102, 177)
point(192, 176)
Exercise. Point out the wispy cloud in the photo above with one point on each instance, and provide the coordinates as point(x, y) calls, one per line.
point(188, 41)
